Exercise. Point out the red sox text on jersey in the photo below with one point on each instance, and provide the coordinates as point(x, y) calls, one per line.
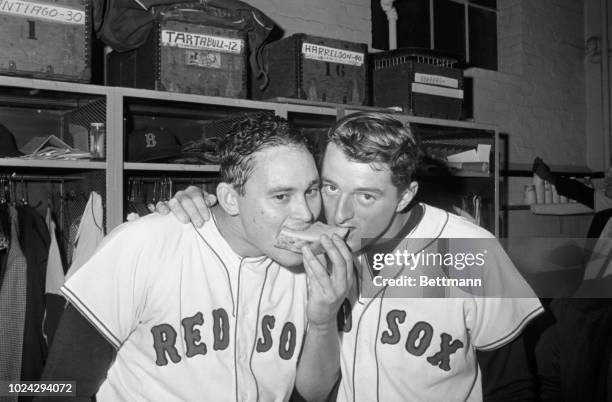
point(165, 337)
point(420, 338)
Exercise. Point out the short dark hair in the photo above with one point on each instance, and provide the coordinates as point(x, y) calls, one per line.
point(371, 137)
point(248, 136)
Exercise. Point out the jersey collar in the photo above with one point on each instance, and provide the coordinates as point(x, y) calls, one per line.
point(388, 245)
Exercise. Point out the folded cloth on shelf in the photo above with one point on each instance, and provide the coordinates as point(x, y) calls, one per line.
point(197, 158)
point(52, 147)
point(202, 145)
point(58, 154)
point(199, 152)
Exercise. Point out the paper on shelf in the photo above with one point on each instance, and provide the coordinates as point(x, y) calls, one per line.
point(52, 147)
point(480, 154)
point(38, 144)
point(465, 156)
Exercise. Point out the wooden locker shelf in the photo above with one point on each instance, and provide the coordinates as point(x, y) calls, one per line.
point(170, 167)
point(118, 100)
point(53, 164)
point(571, 208)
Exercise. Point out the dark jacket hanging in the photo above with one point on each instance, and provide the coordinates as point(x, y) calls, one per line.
point(12, 309)
point(34, 240)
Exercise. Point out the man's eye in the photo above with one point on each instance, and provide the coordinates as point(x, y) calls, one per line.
point(281, 197)
point(312, 191)
point(330, 188)
point(367, 197)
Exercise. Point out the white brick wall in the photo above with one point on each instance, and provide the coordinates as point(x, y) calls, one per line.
point(509, 37)
point(538, 96)
point(341, 19)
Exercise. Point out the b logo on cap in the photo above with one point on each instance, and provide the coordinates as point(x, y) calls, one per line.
point(150, 139)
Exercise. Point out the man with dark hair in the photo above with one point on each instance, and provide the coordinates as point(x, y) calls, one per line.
point(165, 311)
point(399, 346)
point(396, 345)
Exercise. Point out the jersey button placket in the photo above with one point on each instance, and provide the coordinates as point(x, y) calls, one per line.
point(247, 330)
point(243, 356)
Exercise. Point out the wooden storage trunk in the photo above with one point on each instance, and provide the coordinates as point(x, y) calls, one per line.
point(422, 84)
point(183, 56)
point(46, 39)
point(319, 69)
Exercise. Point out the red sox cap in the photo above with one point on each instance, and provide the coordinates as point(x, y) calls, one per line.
point(152, 144)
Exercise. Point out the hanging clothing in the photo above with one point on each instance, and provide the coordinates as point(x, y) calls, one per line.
point(12, 308)
point(55, 270)
point(5, 238)
point(89, 234)
point(55, 279)
point(34, 241)
point(73, 230)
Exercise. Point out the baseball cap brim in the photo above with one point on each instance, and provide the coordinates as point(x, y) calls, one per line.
point(159, 155)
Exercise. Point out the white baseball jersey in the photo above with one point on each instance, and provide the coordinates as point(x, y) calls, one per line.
point(424, 349)
point(191, 319)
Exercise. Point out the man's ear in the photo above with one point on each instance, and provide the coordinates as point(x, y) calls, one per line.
point(407, 196)
point(227, 197)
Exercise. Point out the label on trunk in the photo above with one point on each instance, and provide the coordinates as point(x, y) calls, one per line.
point(203, 59)
point(437, 91)
point(190, 40)
point(331, 54)
point(436, 80)
point(42, 11)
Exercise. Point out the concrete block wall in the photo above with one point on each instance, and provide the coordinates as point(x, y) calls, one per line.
point(538, 98)
point(510, 37)
point(341, 19)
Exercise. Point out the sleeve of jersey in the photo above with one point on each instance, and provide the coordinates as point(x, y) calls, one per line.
point(109, 290)
point(508, 306)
